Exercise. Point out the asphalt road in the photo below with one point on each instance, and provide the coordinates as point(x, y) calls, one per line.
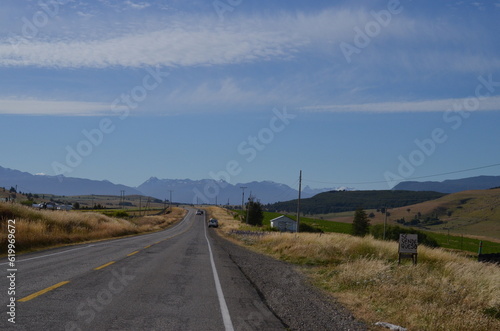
point(176, 279)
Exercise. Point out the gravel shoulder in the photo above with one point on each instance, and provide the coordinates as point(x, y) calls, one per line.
point(287, 293)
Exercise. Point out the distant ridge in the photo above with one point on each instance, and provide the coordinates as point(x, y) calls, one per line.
point(203, 191)
point(206, 191)
point(29, 183)
point(451, 185)
point(341, 201)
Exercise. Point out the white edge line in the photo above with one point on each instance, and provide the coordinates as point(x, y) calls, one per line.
point(228, 324)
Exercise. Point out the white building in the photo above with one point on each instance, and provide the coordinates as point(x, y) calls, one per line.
point(284, 223)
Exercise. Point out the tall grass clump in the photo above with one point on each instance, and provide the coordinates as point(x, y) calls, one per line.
point(444, 291)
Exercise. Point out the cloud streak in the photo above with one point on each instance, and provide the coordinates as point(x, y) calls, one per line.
point(485, 104)
point(51, 107)
point(181, 45)
point(187, 41)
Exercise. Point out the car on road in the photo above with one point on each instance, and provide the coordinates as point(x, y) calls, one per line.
point(199, 212)
point(213, 223)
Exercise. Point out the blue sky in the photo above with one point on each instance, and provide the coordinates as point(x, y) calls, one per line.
point(361, 94)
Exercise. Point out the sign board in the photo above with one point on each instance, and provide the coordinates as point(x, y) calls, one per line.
point(408, 243)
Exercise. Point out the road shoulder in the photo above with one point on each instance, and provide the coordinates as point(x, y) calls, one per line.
point(287, 293)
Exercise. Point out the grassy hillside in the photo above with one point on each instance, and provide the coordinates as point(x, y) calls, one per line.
point(470, 213)
point(341, 201)
point(45, 228)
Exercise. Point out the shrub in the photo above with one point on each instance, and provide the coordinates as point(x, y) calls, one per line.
point(121, 214)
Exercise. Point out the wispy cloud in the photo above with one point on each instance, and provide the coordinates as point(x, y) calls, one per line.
point(485, 104)
point(137, 5)
point(183, 41)
point(180, 44)
point(202, 40)
point(220, 95)
point(51, 107)
point(167, 48)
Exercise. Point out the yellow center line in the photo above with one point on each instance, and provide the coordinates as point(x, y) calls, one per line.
point(104, 265)
point(147, 246)
point(133, 253)
point(34, 295)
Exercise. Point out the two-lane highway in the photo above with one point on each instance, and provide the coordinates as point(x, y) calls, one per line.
point(168, 280)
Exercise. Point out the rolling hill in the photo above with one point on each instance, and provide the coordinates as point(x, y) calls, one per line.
point(474, 212)
point(468, 213)
point(341, 201)
point(452, 185)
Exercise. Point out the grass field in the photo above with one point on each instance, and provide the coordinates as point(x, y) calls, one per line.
point(462, 243)
point(37, 229)
point(471, 213)
point(444, 291)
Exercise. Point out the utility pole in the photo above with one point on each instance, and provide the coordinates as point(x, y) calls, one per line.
point(298, 201)
point(170, 201)
point(385, 221)
point(243, 197)
point(122, 198)
point(250, 200)
point(216, 200)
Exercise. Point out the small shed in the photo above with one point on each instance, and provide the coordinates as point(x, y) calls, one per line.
point(284, 224)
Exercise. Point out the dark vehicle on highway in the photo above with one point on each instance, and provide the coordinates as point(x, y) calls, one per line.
point(213, 223)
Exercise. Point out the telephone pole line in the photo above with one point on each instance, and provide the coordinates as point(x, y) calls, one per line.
point(298, 201)
point(243, 197)
point(122, 198)
point(385, 221)
point(250, 203)
point(170, 201)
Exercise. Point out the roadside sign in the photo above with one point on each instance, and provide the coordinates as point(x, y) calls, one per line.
point(408, 244)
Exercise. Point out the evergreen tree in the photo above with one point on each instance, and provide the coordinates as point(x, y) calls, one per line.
point(255, 214)
point(361, 223)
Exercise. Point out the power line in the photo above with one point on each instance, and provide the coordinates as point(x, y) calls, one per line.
point(409, 178)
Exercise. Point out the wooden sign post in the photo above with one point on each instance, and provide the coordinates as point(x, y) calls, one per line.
point(408, 244)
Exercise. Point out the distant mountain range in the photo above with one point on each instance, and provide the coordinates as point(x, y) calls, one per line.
point(452, 185)
point(183, 190)
point(59, 185)
point(209, 191)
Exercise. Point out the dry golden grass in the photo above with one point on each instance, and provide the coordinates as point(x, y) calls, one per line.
point(226, 219)
point(444, 291)
point(44, 228)
point(158, 222)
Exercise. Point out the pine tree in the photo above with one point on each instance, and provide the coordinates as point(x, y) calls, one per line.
point(361, 223)
point(255, 214)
